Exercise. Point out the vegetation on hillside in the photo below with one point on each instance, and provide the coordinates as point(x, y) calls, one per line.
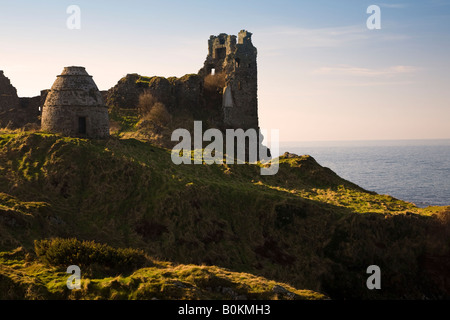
point(28, 275)
point(304, 227)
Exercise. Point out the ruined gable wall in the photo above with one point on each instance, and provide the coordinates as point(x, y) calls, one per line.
point(17, 112)
point(8, 94)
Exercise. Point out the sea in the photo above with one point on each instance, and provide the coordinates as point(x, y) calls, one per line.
point(416, 171)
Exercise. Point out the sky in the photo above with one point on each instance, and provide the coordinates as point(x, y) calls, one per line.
point(323, 75)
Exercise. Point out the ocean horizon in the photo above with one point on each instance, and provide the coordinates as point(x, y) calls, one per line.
point(416, 171)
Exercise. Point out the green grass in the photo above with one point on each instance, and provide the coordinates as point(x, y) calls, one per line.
point(146, 82)
point(125, 118)
point(305, 226)
point(25, 276)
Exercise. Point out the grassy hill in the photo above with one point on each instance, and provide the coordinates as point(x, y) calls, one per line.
point(23, 275)
point(303, 228)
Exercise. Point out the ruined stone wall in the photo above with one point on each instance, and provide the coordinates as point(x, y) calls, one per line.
point(188, 92)
point(63, 119)
point(9, 101)
point(237, 61)
point(29, 112)
point(125, 94)
point(73, 97)
point(220, 48)
point(175, 93)
point(8, 94)
point(17, 112)
point(233, 58)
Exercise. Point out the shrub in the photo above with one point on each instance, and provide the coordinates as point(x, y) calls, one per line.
point(158, 115)
point(146, 103)
point(214, 82)
point(65, 252)
point(154, 115)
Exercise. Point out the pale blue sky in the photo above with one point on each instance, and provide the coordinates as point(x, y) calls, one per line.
point(322, 74)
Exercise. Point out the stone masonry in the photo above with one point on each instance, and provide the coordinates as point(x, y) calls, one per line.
point(8, 99)
point(229, 56)
point(223, 93)
point(75, 107)
point(236, 60)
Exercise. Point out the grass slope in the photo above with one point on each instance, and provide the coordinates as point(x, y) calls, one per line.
point(25, 276)
point(304, 226)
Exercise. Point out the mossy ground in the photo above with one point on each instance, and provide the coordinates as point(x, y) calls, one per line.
point(304, 226)
point(24, 276)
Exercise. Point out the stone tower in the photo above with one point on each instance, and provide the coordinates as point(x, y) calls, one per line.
point(75, 107)
point(236, 61)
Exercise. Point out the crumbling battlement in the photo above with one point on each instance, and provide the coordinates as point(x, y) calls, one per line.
point(230, 62)
point(17, 112)
point(236, 61)
point(8, 94)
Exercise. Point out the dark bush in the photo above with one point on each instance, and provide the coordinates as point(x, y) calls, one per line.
point(101, 257)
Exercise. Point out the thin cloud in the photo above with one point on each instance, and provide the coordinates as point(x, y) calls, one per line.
point(366, 72)
point(393, 5)
point(374, 83)
point(322, 37)
point(290, 38)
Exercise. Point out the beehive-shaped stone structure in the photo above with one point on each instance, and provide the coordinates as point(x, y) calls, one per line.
point(75, 107)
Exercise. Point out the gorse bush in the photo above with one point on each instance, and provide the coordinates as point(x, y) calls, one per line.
point(146, 103)
point(154, 116)
point(214, 82)
point(158, 115)
point(65, 252)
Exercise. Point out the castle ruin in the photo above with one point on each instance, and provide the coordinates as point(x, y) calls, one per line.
point(17, 112)
point(8, 94)
point(236, 61)
point(75, 107)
